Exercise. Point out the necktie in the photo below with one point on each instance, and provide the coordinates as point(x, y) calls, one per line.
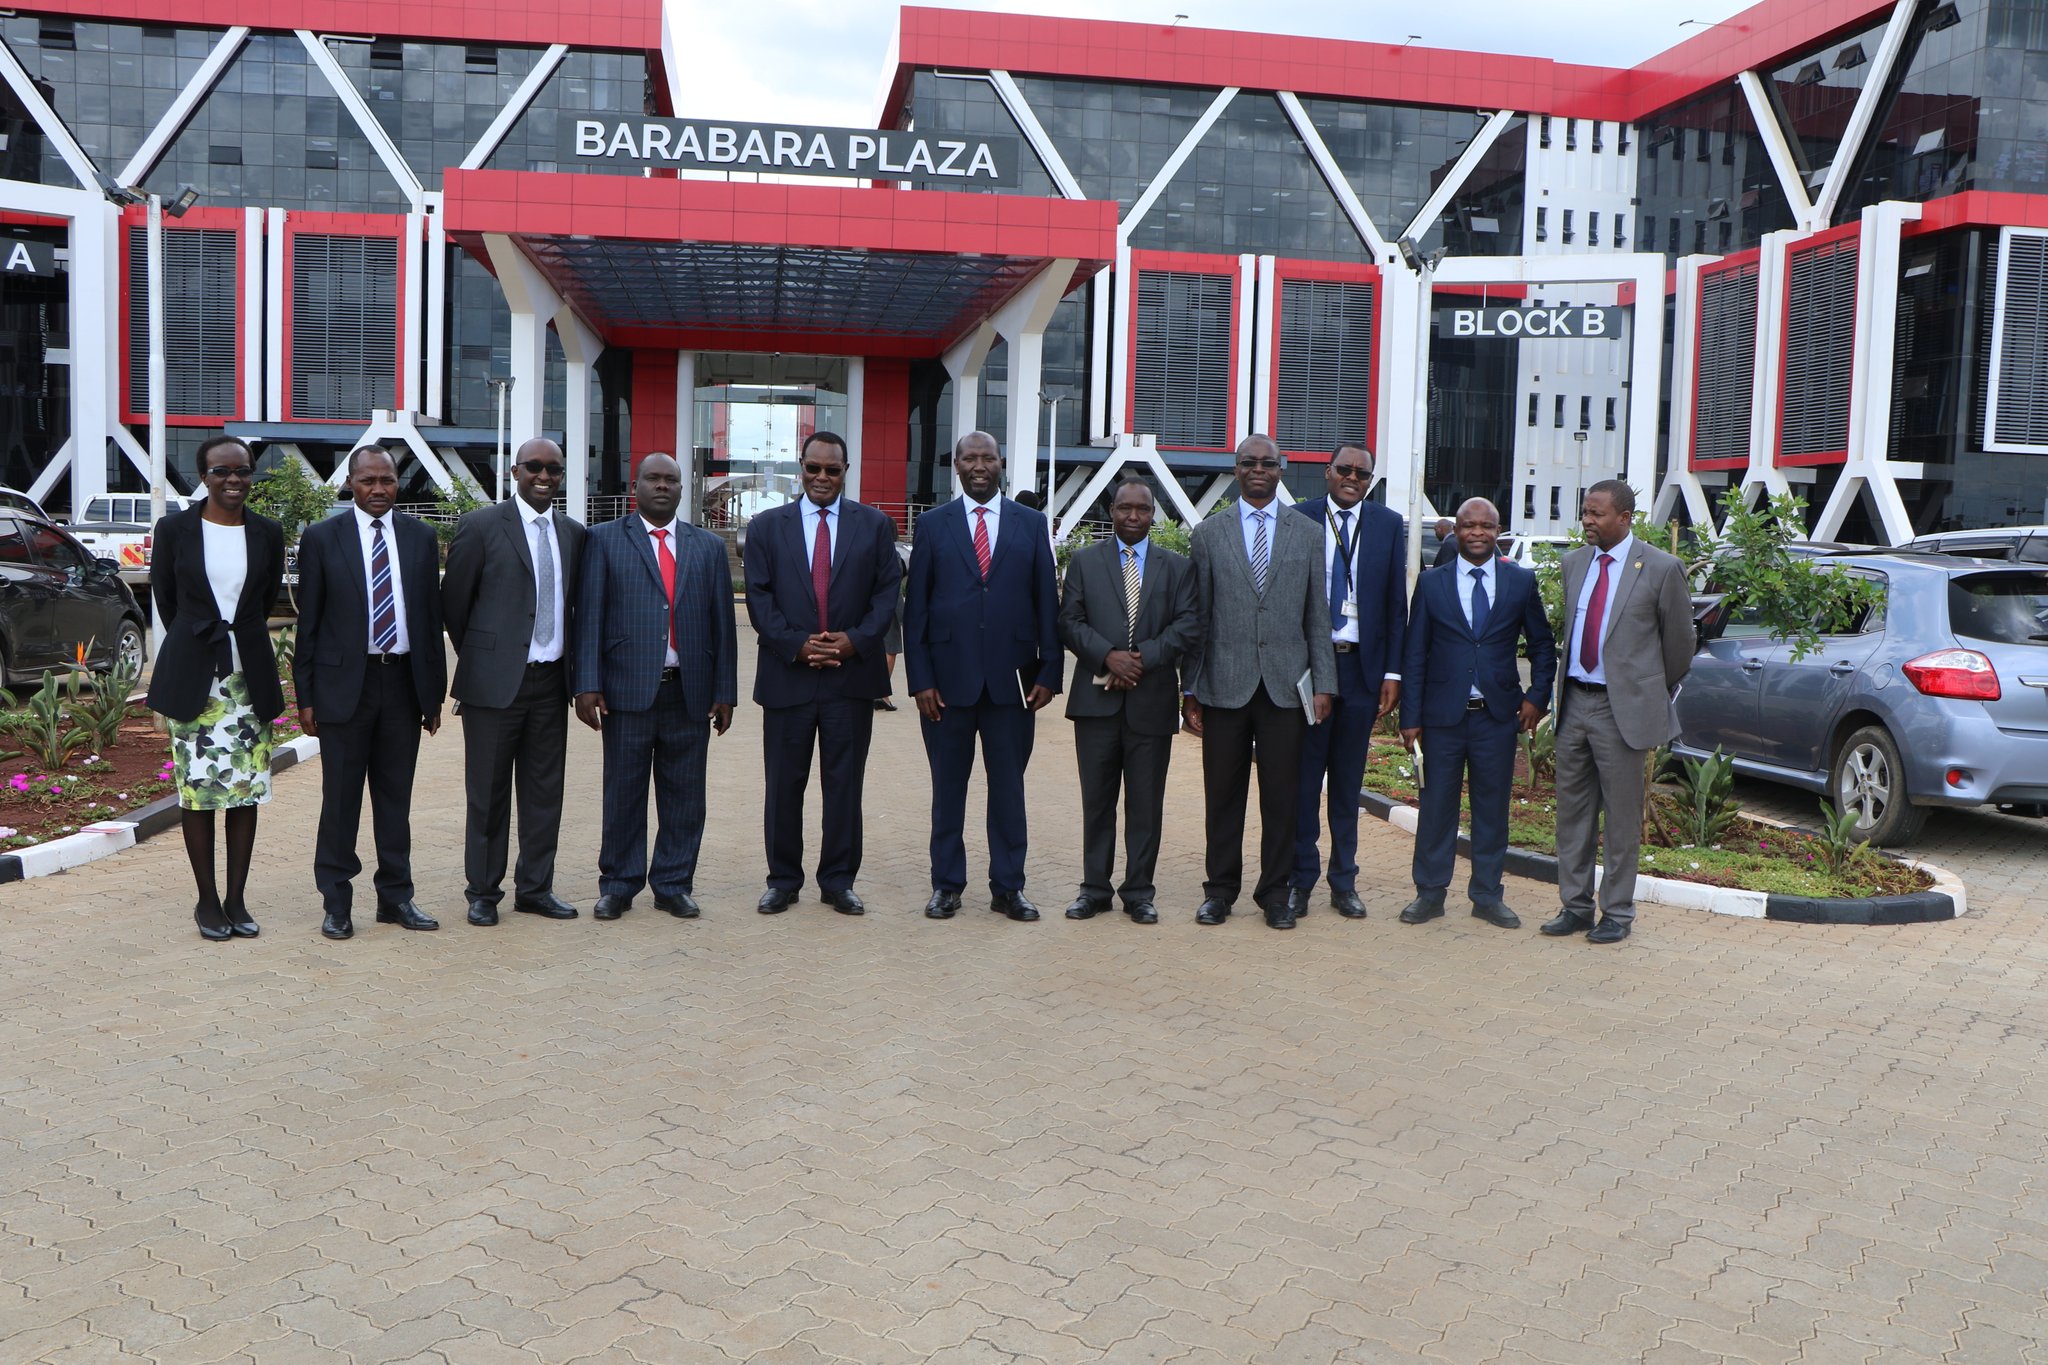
point(981, 550)
point(666, 561)
point(1262, 552)
point(1479, 603)
point(1596, 617)
point(383, 612)
point(1340, 581)
point(821, 566)
point(1132, 586)
point(544, 588)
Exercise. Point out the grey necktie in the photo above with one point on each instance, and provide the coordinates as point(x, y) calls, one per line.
point(544, 588)
point(1262, 554)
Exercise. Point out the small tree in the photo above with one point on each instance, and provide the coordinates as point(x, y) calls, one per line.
point(451, 506)
point(292, 497)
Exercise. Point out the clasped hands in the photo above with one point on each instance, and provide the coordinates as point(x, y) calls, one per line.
point(1125, 667)
point(826, 649)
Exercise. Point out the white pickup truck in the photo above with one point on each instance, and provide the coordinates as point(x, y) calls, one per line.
point(116, 526)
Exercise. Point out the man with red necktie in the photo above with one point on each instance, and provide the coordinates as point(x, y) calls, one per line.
point(1628, 601)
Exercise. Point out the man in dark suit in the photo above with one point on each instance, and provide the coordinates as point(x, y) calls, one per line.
point(981, 652)
point(656, 670)
point(1129, 617)
point(822, 584)
point(1365, 572)
point(1446, 542)
point(370, 675)
point(509, 598)
point(1265, 627)
point(1464, 703)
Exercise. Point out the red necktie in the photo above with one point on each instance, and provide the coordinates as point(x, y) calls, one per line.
point(667, 563)
point(981, 553)
point(821, 566)
point(1596, 613)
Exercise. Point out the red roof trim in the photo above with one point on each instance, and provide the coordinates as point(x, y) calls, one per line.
point(633, 25)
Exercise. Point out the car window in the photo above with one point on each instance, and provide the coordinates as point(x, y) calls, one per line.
point(58, 551)
point(1745, 623)
point(2006, 609)
point(1868, 621)
point(13, 549)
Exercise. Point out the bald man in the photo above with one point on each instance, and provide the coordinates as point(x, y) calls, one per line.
point(509, 600)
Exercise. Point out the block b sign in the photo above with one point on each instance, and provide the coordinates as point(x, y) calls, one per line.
point(1561, 322)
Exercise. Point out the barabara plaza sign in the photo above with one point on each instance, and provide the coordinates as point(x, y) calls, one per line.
point(789, 149)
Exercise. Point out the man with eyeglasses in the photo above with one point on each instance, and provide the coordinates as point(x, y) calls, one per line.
point(1265, 630)
point(822, 583)
point(509, 600)
point(1365, 574)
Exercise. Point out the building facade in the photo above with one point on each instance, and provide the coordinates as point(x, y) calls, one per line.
point(1810, 245)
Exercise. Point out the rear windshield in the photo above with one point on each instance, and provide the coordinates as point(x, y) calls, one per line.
point(2005, 609)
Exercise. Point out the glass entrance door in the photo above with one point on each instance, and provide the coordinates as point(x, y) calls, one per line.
point(753, 414)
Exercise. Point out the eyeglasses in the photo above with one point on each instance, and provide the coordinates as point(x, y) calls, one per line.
point(1350, 471)
point(816, 469)
point(229, 471)
point(1258, 464)
point(543, 467)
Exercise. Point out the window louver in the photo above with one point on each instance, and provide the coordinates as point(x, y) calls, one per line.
point(1820, 328)
point(1325, 363)
point(344, 326)
point(2020, 416)
point(1182, 373)
point(1726, 364)
point(200, 322)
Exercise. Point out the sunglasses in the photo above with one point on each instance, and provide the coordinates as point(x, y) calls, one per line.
point(1350, 471)
point(544, 467)
point(816, 469)
point(229, 471)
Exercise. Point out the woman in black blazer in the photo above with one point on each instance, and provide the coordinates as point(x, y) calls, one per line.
point(215, 572)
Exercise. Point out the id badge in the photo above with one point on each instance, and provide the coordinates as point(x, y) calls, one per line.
point(1351, 608)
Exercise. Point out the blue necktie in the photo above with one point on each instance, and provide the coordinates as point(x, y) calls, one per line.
point(1479, 603)
point(1340, 581)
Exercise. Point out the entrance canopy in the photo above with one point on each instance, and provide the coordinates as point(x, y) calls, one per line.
point(696, 264)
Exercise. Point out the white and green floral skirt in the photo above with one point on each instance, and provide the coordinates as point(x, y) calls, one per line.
point(222, 759)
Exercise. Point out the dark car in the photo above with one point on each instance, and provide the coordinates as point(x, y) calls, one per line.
point(1936, 697)
point(54, 597)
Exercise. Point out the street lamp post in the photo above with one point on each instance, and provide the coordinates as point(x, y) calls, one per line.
point(1579, 438)
point(504, 389)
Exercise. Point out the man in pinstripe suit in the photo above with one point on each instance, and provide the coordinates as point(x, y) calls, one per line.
point(656, 671)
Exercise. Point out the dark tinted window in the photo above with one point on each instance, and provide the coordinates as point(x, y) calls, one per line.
point(13, 549)
point(2004, 609)
point(57, 550)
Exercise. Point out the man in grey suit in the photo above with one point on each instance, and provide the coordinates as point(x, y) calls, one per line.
point(1264, 622)
point(1128, 615)
point(508, 598)
point(1627, 601)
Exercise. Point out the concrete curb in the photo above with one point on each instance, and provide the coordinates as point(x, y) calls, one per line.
point(104, 838)
point(1945, 900)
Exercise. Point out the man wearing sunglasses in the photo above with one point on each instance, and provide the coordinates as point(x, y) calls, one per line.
point(822, 582)
point(509, 600)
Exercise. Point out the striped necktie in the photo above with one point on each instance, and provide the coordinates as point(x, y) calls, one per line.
point(1262, 552)
point(1132, 586)
point(383, 612)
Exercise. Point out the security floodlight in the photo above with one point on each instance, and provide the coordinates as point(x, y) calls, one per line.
point(123, 195)
point(186, 197)
point(1410, 256)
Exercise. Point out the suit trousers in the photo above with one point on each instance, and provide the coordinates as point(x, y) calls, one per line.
point(1597, 772)
point(1006, 734)
point(1113, 757)
point(1482, 749)
point(1233, 737)
point(380, 745)
point(1332, 770)
point(839, 728)
point(527, 741)
point(668, 743)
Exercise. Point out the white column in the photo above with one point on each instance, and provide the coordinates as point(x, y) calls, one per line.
point(1404, 414)
point(534, 303)
point(686, 432)
point(1645, 373)
point(1241, 375)
point(1259, 320)
point(1763, 472)
point(275, 291)
point(580, 349)
point(435, 403)
point(1679, 480)
point(408, 389)
point(1021, 322)
point(97, 264)
point(253, 276)
point(963, 361)
point(856, 413)
point(1123, 300)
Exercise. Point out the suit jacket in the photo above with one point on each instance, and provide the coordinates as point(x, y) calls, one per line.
point(1379, 583)
point(1648, 623)
point(1444, 662)
point(860, 599)
point(623, 619)
point(1249, 640)
point(961, 634)
point(195, 648)
point(488, 599)
point(334, 615)
point(1094, 620)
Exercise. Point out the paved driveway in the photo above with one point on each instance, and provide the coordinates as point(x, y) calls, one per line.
point(888, 1140)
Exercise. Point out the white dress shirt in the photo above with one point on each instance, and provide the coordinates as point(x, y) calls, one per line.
point(227, 569)
point(654, 548)
point(1247, 522)
point(366, 536)
point(1490, 578)
point(1620, 553)
point(1345, 628)
point(830, 513)
point(533, 522)
point(995, 515)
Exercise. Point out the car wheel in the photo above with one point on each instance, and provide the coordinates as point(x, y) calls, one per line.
point(1869, 779)
point(128, 647)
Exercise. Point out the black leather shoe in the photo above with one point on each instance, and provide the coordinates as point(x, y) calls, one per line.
point(1610, 930)
point(1144, 912)
point(239, 922)
point(212, 922)
point(611, 907)
point(483, 914)
point(1083, 908)
point(1422, 909)
point(1283, 918)
point(1212, 912)
point(775, 900)
point(1013, 904)
point(1498, 915)
point(942, 905)
point(1348, 904)
point(1297, 901)
point(547, 905)
point(406, 916)
point(681, 905)
point(844, 901)
point(338, 925)
point(1566, 923)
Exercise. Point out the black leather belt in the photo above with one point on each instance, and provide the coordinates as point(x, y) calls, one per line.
point(388, 658)
point(671, 674)
point(545, 663)
point(1344, 646)
point(1584, 686)
point(1475, 703)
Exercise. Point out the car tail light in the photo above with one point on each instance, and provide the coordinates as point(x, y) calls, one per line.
point(146, 539)
point(1960, 673)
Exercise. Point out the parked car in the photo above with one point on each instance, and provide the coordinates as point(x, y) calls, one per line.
point(54, 597)
point(116, 526)
point(2026, 544)
point(14, 500)
point(1938, 697)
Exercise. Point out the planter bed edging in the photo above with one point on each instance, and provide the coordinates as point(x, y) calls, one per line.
point(104, 838)
point(1946, 899)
